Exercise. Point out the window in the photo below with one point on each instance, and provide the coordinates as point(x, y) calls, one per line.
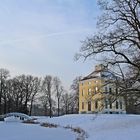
point(89, 91)
point(116, 91)
point(106, 103)
point(89, 83)
point(106, 90)
point(83, 92)
point(96, 89)
point(110, 90)
point(96, 81)
point(117, 105)
point(121, 104)
point(82, 105)
point(110, 104)
point(96, 104)
point(89, 106)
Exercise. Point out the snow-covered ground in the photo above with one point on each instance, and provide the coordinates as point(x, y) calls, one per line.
point(103, 127)
point(19, 131)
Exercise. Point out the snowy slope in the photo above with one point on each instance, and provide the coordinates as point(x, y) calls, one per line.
point(104, 127)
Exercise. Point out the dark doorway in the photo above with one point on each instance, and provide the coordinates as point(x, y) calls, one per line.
point(89, 106)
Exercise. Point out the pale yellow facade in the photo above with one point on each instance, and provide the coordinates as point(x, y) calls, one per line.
point(95, 96)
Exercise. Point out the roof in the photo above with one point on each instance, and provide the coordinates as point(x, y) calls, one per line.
point(105, 73)
point(94, 74)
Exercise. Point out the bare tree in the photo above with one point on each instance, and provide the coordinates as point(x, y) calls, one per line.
point(45, 104)
point(67, 100)
point(36, 88)
point(119, 37)
point(23, 89)
point(75, 92)
point(4, 74)
point(47, 90)
point(59, 90)
point(27, 88)
point(15, 86)
point(117, 41)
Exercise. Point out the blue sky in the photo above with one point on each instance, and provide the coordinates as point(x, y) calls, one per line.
point(41, 37)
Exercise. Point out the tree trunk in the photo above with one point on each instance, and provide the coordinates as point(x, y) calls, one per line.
point(58, 110)
point(5, 105)
point(50, 109)
point(32, 100)
point(30, 112)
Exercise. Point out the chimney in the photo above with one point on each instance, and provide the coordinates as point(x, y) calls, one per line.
point(99, 67)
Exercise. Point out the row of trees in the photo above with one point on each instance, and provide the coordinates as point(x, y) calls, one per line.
point(117, 45)
point(21, 93)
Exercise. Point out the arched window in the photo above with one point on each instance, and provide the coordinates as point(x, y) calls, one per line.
point(96, 104)
point(89, 106)
point(106, 103)
point(110, 90)
point(89, 91)
point(96, 90)
point(121, 104)
point(110, 104)
point(82, 105)
point(83, 92)
point(116, 90)
point(117, 105)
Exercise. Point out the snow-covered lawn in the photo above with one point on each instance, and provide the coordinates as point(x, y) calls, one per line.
point(104, 127)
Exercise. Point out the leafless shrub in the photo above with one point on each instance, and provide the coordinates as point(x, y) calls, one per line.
point(81, 133)
point(49, 125)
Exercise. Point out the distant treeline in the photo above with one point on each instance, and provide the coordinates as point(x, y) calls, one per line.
point(28, 94)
